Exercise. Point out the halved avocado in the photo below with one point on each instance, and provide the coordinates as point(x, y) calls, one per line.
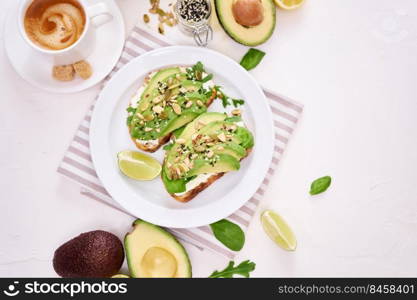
point(152, 252)
point(246, 35)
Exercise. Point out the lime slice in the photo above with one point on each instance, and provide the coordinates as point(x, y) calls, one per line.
point(278, 230)
point(120, 276)
point(289, 4)
point(138, 166)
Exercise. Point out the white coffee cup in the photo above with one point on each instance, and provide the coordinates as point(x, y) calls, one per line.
point(96, 15)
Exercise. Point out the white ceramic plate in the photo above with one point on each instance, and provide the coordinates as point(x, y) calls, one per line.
point(36, 68)
point(149, 200)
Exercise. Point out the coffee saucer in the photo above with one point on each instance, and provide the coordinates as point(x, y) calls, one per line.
point(36, 68)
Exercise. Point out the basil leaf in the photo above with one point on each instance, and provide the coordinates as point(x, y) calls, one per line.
point(244, 268)
point(320, 185)
point(229, 234)
point(252, 58)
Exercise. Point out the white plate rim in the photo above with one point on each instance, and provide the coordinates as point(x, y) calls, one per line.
point(191, 217)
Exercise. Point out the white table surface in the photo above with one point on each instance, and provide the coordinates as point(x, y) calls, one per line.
point(353, 65)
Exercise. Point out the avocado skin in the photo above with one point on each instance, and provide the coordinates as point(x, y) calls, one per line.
point(237, 38)
point(91, 254)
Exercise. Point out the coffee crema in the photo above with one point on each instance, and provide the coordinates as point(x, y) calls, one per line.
point(54, 24)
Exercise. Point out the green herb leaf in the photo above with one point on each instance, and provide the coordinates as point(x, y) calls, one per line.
point(177, 132)
point(244, 268)
point(207, 78)
point(252, 58)
point(168, 147)
point(237, 102)
point(229, 234)
point(320, 185)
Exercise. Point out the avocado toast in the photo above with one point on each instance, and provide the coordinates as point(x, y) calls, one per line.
point(169, 99)
point(204, 151)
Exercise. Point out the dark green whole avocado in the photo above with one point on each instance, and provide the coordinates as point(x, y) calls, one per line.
point(91, 254)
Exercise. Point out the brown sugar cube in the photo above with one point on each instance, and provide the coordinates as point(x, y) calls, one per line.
point(83, 69)
point(63, 73)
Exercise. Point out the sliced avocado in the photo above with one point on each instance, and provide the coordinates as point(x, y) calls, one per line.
point(178, 122)
point(225, 163)
point(249, 36)
point(191, 86)
point(205, 118)
point(232, 149)
point(161, 75)
point(189, 130)
point(153, 252)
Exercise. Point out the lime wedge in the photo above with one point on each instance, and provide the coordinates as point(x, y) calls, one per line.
point(278, 230)
point(138, 166)
point(120, 276)
point(289, 4)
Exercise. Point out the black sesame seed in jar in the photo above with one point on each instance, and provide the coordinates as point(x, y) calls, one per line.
point(193, 10)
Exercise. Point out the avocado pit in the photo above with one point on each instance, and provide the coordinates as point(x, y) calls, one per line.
point(159, 263)
point(248, 13)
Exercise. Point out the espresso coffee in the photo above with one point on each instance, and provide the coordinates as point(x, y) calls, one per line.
point(54, 24)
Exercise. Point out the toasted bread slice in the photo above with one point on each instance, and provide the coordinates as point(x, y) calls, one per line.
point(152, 147)
point(189, 195)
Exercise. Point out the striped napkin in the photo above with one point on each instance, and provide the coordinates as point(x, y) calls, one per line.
point(77, 164)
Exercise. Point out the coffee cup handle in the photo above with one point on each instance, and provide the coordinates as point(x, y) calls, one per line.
point(99, 14)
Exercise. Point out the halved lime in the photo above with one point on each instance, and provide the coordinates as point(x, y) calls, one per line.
point(278, 230)
point(120, 276)
point(138, 166)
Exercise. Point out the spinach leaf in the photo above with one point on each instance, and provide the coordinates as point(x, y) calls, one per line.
point(320, 185)
point(245, 137)
point(229, 234)
point(252, 58)
point(244, 268)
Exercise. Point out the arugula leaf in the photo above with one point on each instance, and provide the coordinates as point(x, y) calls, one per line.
point(237, 102)
point(131, 109)
point(177, 132)
point(168, 147)
point(252, 58)
point(226, 99)
point(207, 78)
point(229, 234)
point(244, 268)
point(320, 185)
